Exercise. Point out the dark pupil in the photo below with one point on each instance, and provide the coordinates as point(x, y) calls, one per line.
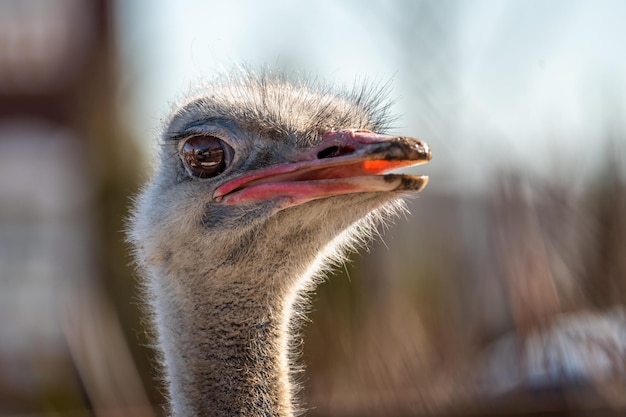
point(204, 156)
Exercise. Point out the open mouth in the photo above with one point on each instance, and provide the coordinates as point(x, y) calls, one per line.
point(346, 162)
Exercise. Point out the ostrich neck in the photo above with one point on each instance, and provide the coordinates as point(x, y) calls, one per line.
point(224, 341)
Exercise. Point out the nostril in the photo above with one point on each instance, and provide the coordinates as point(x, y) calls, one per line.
point(333, 151)
point(328, 152)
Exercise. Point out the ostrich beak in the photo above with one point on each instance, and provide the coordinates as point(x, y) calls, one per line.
point(346, 162)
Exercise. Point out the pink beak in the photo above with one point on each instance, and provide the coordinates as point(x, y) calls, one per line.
point(346, 162)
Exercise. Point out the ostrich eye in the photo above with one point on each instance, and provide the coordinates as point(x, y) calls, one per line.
point(204, 156)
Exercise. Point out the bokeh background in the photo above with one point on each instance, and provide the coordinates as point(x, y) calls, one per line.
point(502, 291)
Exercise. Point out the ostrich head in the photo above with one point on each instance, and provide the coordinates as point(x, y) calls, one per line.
point(259, 181)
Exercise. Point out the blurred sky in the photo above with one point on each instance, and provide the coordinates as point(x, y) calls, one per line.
point(489, 84)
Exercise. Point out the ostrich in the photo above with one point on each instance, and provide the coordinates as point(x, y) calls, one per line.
point(261, 182)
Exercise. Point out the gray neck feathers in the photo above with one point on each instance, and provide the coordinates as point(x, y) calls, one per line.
point(225, 354)
point(224, 322)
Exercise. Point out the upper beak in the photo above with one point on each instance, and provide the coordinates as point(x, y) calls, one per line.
point(345, 162)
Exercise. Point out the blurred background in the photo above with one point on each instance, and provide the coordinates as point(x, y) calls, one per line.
point(501, 293)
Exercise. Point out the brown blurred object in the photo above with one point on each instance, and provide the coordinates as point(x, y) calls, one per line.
point(564, 355)
point(525, 256)
point(102, 359)
point(606, 265)
point(59, 164)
